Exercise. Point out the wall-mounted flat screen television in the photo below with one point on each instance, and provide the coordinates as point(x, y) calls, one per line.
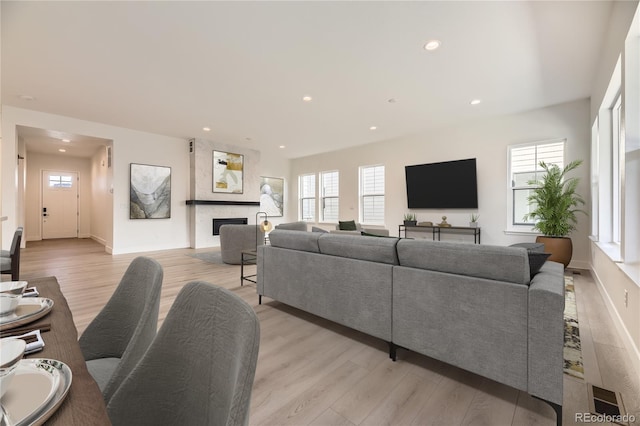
point(445, 185)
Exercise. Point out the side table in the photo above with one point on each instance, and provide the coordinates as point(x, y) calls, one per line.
point(248, 257)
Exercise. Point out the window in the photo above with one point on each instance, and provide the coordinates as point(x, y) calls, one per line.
point(307, 196)
point(524, 167)
point(329, 201)
point(372, 195)
point(60, 181)
point(617, 166)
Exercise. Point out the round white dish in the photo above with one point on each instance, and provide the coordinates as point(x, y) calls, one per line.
point(38, 388)
point(11, 352)
point(10, 295)
point(28, 310)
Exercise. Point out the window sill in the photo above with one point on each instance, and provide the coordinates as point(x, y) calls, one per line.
point(612, 250)
point(630, 269)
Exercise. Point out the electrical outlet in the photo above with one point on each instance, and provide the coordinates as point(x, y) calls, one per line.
point(626, 299)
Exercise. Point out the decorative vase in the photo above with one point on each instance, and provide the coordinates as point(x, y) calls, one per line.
point(473, 224)
point(410, 222)
point(561, 248)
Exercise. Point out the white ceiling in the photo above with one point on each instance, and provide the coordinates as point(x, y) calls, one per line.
point(242, 68)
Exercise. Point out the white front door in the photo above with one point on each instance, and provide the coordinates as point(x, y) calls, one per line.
point(59, 204)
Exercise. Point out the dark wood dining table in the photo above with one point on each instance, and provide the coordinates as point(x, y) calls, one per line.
point(83, 404)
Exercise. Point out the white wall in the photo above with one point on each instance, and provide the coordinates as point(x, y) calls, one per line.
point(614, 278)
point(35, 164)
point(109, 221)
point(129, 146)
point(101, 199)
point(486, 141)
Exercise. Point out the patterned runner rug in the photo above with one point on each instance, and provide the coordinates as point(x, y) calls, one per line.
point(572, 349)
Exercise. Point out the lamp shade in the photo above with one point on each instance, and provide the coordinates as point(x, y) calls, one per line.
point(266, 226)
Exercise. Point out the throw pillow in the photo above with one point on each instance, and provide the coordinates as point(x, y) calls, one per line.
point(316, 229)
point(348, 225)
point(536, 260)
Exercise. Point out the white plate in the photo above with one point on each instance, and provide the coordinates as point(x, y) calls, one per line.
point(36, 391)
point(28, 310)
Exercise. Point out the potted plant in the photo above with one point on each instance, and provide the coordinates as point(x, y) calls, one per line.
point(474, 220)
point(410, 219)
point(555, 204)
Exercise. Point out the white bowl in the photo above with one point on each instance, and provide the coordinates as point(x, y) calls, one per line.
point(10, 295)
point(11, 352)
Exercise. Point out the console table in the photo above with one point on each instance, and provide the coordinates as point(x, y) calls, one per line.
point(437, 230)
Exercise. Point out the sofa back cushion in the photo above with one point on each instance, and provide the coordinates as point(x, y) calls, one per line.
point(382, 250)
point(295, 240)
point(510, 264)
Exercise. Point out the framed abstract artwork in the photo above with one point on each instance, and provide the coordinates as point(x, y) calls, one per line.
point(228, 172)
point(149, 192)
point(272, 196)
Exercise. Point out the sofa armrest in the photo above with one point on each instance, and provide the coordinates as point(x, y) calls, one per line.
point(546, 333)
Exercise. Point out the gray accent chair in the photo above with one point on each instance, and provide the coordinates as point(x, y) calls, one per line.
point(116, 339)
point(200, 368)
point(293, 226)
point(234, 239)
point(10, 260)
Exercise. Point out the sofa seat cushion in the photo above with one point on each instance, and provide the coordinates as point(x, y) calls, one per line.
point(102, 369)
point(510, 264)
point(381, 250)
point(295, 240)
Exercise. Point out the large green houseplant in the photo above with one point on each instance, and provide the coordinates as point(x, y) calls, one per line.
point(555, 204)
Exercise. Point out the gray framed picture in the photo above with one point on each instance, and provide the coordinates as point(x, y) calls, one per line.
point(149, 192)
point(228, 172)
point(272, 196)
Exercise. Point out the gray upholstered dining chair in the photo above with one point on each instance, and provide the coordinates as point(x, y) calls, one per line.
point(199, 370)
point(118, 336)
point(10, 260)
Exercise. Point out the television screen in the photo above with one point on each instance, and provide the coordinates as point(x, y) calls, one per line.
point(445, 185)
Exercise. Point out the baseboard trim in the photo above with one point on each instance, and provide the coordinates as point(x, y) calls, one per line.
point(630, 346)
point(579, 264)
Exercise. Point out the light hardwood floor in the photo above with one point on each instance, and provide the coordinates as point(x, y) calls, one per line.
point(314, 372)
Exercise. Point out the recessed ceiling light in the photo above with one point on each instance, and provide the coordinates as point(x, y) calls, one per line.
point(66, 140)
point(475, 102)
point(392, 101)
point(307, 98)
point(62, 150)
point(282, 146)
point(372, 128)
point(27, 97)
point(432, 45)
point(206, 129)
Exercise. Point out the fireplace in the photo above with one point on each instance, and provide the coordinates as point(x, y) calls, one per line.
point(217, 223)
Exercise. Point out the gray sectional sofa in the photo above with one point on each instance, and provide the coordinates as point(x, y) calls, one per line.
point(473, 306)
